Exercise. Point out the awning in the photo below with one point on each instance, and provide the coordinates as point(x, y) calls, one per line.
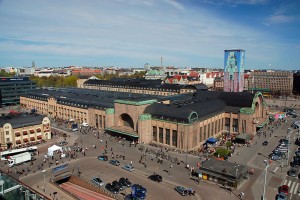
point(24, 132)
point(123, 130)
point(38, 130)
point(32, 138)
point(211, 140)
point(31, 131)
point(17, 134)
point(18, 142)
point(25, 140)
point(39, 137)
point(264, 123)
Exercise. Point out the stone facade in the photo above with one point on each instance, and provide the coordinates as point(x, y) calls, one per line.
point(131, 113)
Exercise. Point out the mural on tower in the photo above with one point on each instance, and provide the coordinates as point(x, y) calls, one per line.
point(234, 70)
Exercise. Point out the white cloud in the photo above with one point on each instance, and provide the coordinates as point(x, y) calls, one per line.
point(118, 29)
point(279, 19)
point(236, 2)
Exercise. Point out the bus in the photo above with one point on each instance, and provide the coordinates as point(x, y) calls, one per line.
point(5, 154)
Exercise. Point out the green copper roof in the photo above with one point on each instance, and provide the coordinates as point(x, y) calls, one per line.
point(137, 103)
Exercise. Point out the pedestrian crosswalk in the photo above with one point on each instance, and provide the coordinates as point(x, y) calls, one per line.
point(293, 186)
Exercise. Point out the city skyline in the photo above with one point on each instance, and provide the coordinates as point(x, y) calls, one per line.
point(126, 33)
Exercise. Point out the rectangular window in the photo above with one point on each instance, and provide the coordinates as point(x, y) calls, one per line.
point(161, 135)
point(235, 125)
point(201, 129)
point(208, 131)
point(96, 120)
point(213, 128)
point(154, 133)
point(104, 121)
point(100, 121)
point(174, 138)
point(227, 124)
point(244, 126)
point(7, 132)
point(168, 136)
point(205, 133)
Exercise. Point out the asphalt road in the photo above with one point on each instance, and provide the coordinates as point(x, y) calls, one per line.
point(90, 166)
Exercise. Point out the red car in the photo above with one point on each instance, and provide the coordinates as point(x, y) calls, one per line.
point(284, 189)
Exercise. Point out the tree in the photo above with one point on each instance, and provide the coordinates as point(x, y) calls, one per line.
point(221, 152)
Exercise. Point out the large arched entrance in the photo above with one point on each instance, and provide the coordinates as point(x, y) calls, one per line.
point(124, 128)
point(126, 120)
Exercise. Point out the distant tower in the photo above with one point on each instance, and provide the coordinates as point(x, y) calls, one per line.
point(147, 66)
point(234, 61)
point(33, 64)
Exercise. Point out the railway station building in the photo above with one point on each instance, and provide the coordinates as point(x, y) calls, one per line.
point(183, 121)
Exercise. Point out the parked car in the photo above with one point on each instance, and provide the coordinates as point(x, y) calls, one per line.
point(97, 181)
point(265, 143)
point(285, 141)
point(139, 191)
point(292, 172)
point(125, 182)
point(114, 162)
point(128, 168)
point(275, 157)
point(118, 185)
point(297, 153)
point(112, 189)
point(284, 189)
point(281, 196)
point(181, 190)
point(155, 177)
point(62, 143)
point(103, 158)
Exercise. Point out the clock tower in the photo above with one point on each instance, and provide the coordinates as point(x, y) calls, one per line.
point(234, 60)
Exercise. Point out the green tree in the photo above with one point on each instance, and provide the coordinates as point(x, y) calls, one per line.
point(221, 152)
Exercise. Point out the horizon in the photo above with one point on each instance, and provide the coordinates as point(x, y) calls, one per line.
point(130, 33)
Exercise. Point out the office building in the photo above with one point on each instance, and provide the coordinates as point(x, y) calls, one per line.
point(279, 83)
point(12, 88)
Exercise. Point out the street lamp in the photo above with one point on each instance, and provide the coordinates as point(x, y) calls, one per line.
point(288, 146)
point(266, 170)
point(44, 172)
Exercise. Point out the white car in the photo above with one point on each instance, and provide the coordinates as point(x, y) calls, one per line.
point(85, 124)
point(128, 168)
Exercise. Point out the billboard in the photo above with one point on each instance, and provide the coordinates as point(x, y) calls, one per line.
point(234, 70)
point(234, 60)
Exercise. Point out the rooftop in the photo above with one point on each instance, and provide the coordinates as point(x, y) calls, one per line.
point(223, 168)
point(21, 120)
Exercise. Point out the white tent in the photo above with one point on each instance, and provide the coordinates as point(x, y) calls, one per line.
point(54, 148)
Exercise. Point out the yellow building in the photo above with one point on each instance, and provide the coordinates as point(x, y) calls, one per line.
point(23, 129)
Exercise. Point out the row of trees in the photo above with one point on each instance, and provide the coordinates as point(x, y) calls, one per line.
point(3, 73)
point(55, 81)
point(71, 81)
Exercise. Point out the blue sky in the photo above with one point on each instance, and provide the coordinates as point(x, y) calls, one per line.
point(124, 33)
